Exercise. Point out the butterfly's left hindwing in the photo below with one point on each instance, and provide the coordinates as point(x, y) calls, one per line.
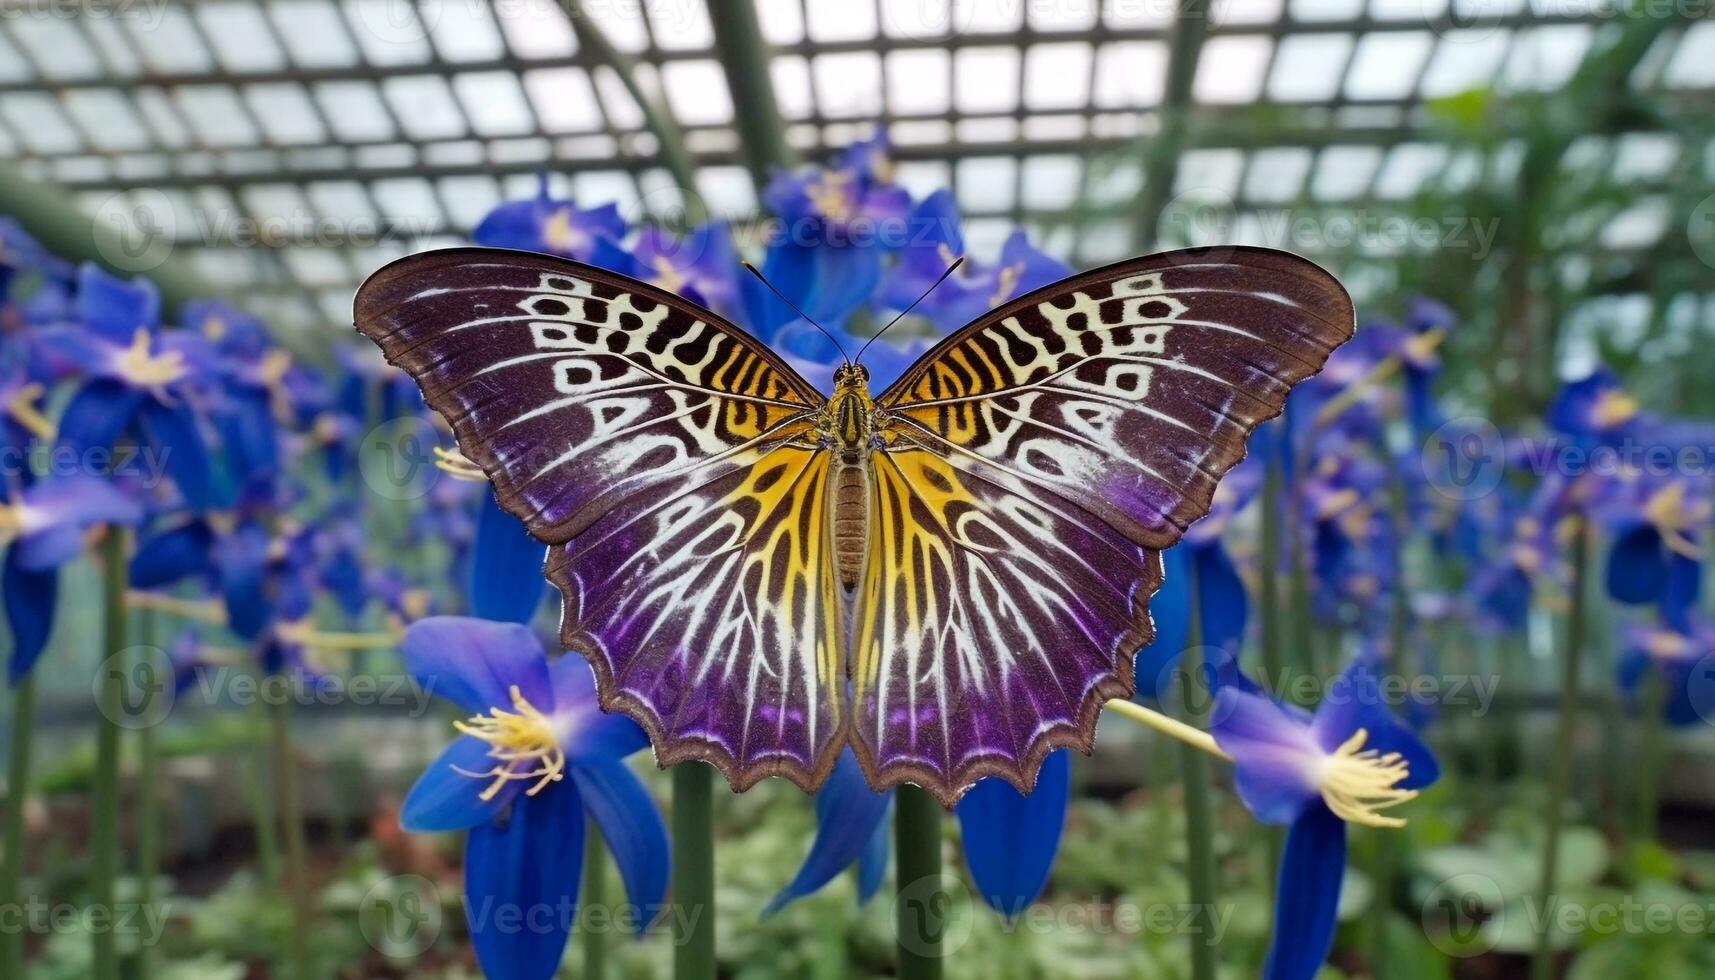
point(665, 456)
point(1035, 464)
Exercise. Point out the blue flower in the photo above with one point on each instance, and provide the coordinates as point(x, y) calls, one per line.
point(546, 224)
point(976, 287)
point(504, 568)
point(1348, 762)
point(1681, 655)
point(535, 760)
point(1010, 838)
point(1593, 409)
point(135, 380)
point(44, 527)
point(702, 266)
point(1657, 555)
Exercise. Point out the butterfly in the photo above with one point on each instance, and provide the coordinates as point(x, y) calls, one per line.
point(950, 577)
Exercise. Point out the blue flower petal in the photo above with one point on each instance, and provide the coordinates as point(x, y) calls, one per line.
point(848, 813)
point(874, 861)
point(1636, 570)
point(240, 559)
point(505, 566)
point(30, 598)
point(1222, 605)
point(475, 663)
point(632, 828)
point(1170, 608)
point(597, 733)
point(67, 508)
point(521, 884)
point(1273, 753)
point(1307, 895)
point(97, 414)
point(171, 430)
point(114, 307)
point(1683, 588)
point(447, 797)
point(1011, 838)
point(1355, 700)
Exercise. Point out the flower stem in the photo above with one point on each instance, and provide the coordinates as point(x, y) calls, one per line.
point(1269, 600)
point(262, 816)
point(292, 822)
point(921, 911)
point(104, 831)
point(148, 813)
point(1560, 775)
point(1199, 809)
point(1653, 750)
point(17, 785)
point(693, 871)
point(594, 898)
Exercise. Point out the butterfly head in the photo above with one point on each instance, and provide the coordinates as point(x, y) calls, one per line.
point(850, 375)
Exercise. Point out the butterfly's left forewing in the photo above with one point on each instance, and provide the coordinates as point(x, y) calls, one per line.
point(666, 457)
point(1035, 464)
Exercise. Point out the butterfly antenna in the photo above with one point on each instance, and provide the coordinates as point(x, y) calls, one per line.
point(950, 270)
point(758, 274)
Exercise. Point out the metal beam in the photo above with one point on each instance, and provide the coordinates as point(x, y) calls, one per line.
point(52, 219)
point(1161, 159)
point(745, 57)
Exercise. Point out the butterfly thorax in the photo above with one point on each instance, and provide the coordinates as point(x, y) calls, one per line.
point(848, 430)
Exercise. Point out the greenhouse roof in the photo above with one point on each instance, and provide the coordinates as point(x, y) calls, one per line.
point(340, 134)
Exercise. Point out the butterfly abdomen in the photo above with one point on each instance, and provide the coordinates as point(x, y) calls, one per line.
point(851, 519)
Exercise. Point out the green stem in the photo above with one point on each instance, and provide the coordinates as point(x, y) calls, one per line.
point(1199, 809)
point(17, 784)
point(262, 817)
point(148, 815)
point(1268, 599)
point(693, 871)
point(922, 910)
point(292, 823)
point(1654, 749)
point(595, 898)
point(1560, 773)
point(104, 832)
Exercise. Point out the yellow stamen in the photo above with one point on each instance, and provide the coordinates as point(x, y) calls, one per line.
point(1007, 283)
point(559, 233)
point(214, 328)
point(1614, 407)
point(150, 370)
point(523, 747)
point(1357, 783)
point(1674, 519)
point(666, 276)
point(22, 407)
point(830, 194)
point(454, 464)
